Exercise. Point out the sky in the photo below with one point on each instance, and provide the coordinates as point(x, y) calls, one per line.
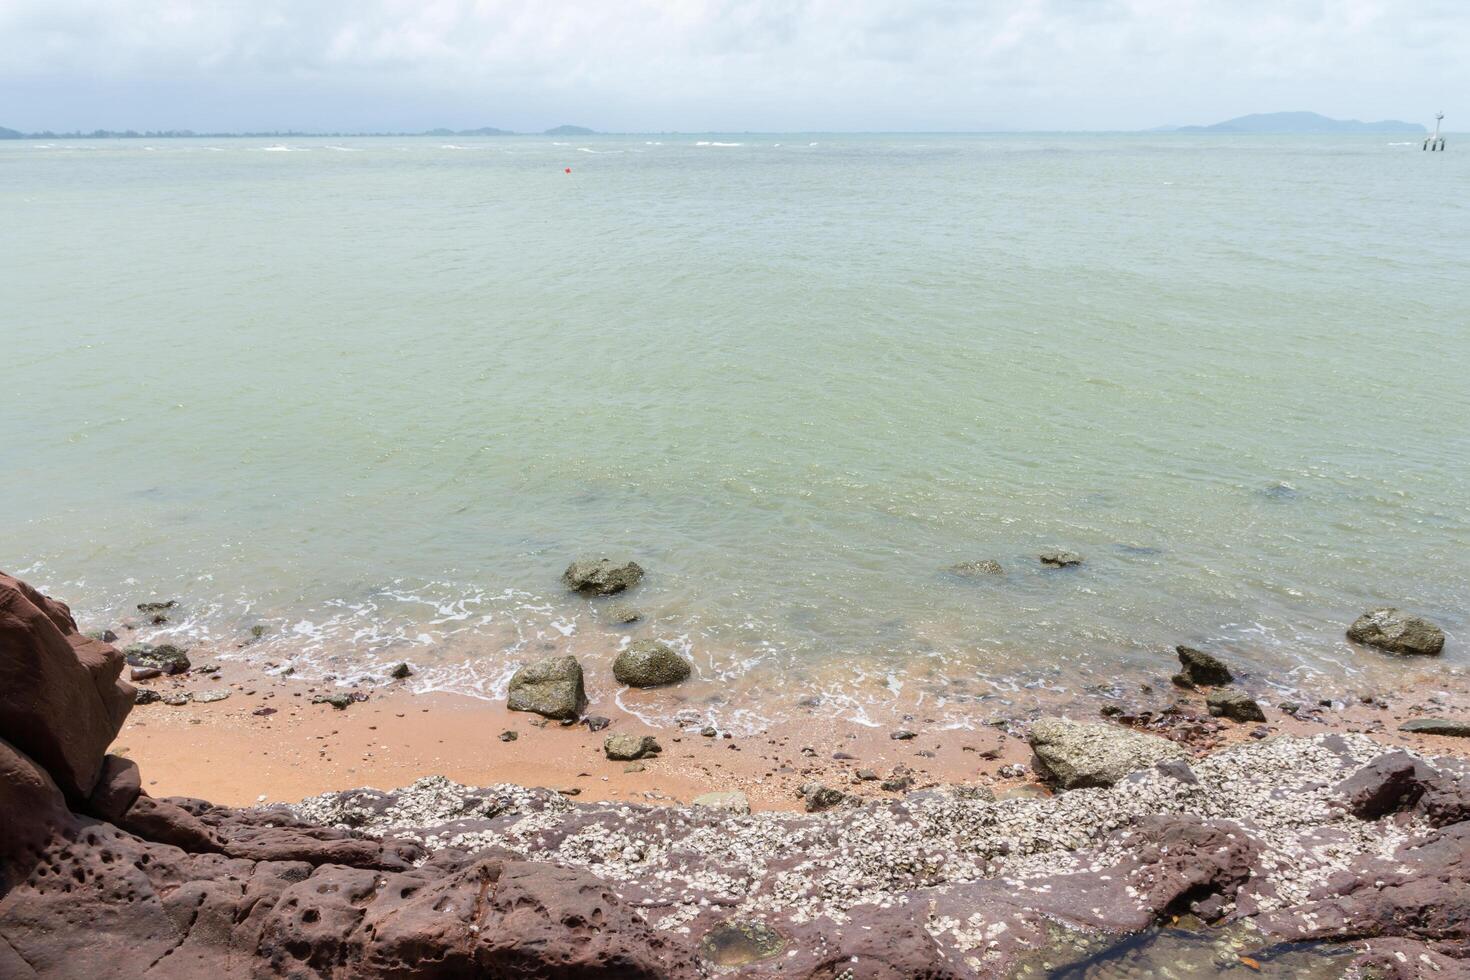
point(722, 65)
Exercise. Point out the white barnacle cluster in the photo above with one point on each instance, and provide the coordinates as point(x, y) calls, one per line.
point(808, 866)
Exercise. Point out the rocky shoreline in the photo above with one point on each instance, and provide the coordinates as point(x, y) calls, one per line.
point(1357, 843)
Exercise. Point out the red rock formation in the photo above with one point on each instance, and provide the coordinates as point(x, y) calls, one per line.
point(61, 700)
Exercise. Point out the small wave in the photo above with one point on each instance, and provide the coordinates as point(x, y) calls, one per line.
point(345, 149)
point(278, 148)
point(453, 146)
point(584, 149)
point(1410, 143)
point(716, 143)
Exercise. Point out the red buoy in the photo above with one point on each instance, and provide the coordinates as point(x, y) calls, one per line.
point(569, 170)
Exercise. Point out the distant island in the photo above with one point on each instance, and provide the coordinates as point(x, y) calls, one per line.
point(163, 134)
point(1283, 123)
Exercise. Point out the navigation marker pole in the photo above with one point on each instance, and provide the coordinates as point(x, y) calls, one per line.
point(1435, 142)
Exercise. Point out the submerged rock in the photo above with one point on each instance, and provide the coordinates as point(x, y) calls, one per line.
point(1202, 668)
point(649, 663)
point(401, 672)
point(621, 614)
point(1057, 558)
point(1077, 754)
point(977, 569)
point(1235, 705)
point(626, 748)
point(1397, 632)
point(551, 688)
point(602, 576)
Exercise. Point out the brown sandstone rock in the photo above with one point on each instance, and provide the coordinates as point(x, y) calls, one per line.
point(61, 701)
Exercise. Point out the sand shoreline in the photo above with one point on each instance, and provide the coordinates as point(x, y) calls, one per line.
point(268, 741)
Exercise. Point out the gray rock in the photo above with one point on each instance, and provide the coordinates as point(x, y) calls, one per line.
point(977, 569)
point(819, 798)
point(1201, 667)
point(649, 663)
point(734, 801)
point(596, 723)
point(621, 614)
point(341, 701)
point(602, 576)
point(208, 697)
point(509, 736)
point(401, 672)
point(550, 688)
point(1437, 726)
point(146, 695)
point(1056, 558)
point(1235, 705)
point(106, 636)
point(166, 657)
point(1397, 632)
point(177, 700)
point(902, 735)
point(626, 748)
point(1076, 754)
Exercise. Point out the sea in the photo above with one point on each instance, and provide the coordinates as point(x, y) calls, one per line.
point(372, 395)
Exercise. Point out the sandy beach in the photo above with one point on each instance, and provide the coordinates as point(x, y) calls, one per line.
point(268, 741)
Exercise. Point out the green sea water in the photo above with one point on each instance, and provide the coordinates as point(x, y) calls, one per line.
point(376, 393)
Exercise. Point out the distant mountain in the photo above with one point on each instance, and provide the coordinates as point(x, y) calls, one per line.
point(1264, 123)
point(10, 134)
point(570, 131)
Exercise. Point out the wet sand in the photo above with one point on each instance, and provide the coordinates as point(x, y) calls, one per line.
point(228, 752)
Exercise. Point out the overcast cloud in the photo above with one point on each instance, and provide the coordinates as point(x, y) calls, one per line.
point(697, 65)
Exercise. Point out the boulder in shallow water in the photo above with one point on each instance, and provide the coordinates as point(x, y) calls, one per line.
point(649, 663)
point(551, 688)
point(602, 576)
point(621, 614)
point(626, 748)
point(1057, 558)
point(1202, 668)
point(1235, 705)
point(977, 569)
point(1397, 632)
point(1076, 754)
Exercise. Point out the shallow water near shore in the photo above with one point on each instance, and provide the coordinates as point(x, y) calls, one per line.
point(375, 394)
